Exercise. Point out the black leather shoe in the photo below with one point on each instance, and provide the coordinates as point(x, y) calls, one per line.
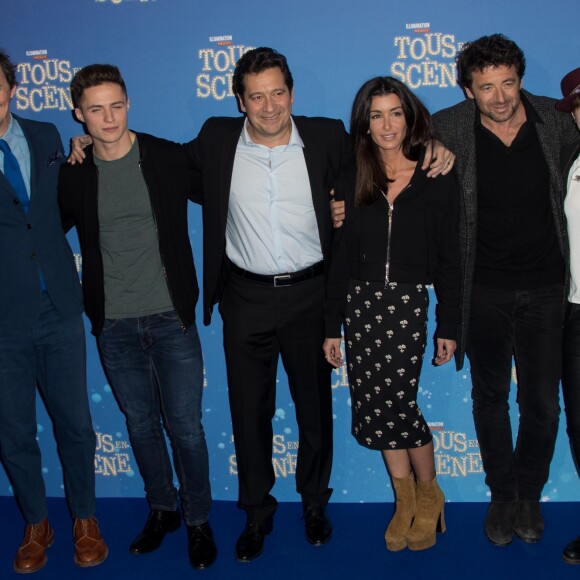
point(317, 526)
point(529, 522)
point(201, 546)
point(159, 523)
point(572, 552)
point(500, 522)
point(251, 542)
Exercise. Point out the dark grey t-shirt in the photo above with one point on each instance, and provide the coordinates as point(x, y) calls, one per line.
point(135, 283)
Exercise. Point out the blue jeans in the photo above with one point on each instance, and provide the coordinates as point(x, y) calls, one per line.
point(156, 372)
point(51, 355)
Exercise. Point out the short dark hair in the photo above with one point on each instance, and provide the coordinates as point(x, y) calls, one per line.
point(494, 50)
point(257, 60)
point(94, 75)
point(371, 172)
point(8, 68)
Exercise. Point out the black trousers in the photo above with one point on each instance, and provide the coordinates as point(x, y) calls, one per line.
point(261, 323)
point(571, 378)
point(525, 324)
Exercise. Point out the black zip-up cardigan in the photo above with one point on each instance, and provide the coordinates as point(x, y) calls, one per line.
point(168, 177)
point(424, 246)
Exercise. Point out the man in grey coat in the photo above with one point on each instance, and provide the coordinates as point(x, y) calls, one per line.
point(515, 256)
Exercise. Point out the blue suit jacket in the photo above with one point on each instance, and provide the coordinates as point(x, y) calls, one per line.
point(36, 238)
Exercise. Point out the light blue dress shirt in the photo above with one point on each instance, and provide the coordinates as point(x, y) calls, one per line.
point(271, 227)
point(19, 146)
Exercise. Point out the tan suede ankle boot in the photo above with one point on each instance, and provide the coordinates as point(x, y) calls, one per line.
point(396, 534)
point(429, 517)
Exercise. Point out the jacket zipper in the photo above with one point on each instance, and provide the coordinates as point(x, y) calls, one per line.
point(159, 244)
point(390, 222)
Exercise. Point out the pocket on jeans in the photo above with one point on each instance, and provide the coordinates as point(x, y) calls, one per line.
point(171, 315)
point(110, 323)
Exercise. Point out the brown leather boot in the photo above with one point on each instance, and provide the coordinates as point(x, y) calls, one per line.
point(396, 534)
point(429, 517)
point(90, 548)
point(31, 556)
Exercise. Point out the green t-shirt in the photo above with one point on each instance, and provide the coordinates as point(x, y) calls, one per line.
point(135, 283)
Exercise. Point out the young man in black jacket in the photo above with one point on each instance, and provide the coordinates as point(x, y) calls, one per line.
point(128, 201)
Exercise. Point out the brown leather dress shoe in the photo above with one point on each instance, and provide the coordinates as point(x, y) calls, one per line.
point(90, 548)
point(31, 556)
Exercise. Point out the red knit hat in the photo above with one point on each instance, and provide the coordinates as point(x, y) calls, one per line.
point(570, 88)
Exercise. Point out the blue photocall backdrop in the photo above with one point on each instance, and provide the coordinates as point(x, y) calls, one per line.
point(177, 57)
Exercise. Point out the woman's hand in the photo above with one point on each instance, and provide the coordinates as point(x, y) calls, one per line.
point(445, 350)
point(332, 351)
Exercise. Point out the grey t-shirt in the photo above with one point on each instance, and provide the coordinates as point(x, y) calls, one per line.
point(135, 283)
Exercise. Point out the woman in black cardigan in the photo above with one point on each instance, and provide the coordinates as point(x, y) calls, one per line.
point(400, 234)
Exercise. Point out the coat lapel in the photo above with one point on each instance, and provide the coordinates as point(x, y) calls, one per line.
point(315, 169)
point(228, 153)
point(29, 135)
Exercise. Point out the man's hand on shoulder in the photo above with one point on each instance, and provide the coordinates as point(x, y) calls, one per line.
point(336, 210)
point(438, 159)
point(77, 144)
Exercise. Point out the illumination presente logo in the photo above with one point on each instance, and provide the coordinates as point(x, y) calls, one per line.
point(455, 454)
point(284, 457)
point(218, 62)
point(43, 83)
point(111, 456)
point(425, 58)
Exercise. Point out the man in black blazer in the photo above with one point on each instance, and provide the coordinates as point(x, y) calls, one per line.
point(42, 341)
point(266, 179)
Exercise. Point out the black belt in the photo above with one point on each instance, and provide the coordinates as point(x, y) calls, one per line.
point(281, 279)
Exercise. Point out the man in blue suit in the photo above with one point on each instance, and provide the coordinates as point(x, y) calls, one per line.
point(42, 340)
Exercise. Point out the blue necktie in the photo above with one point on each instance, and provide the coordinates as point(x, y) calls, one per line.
point(14, 175)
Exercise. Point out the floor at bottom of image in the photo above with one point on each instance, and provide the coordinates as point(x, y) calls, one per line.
point(356, 550)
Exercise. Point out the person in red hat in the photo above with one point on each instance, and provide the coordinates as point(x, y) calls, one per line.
point(570, 159)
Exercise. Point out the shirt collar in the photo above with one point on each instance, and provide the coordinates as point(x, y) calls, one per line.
point(295, 139)
point(10, 132)
point(13, 133)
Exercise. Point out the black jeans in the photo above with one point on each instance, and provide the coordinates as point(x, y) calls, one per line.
point(571, 377)
point(525, 324)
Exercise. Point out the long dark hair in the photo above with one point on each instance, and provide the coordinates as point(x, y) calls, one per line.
point(371, 174)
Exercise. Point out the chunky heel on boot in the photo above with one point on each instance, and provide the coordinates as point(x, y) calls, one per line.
point(396, 534)
point(429, 516)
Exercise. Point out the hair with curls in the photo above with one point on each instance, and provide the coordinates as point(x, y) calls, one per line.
point(257, 60)
point(494, 50)
point(8, 69)
point(94, 75)
point(371, 175)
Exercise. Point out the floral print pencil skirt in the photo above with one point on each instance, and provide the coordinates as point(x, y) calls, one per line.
point(385, 334)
